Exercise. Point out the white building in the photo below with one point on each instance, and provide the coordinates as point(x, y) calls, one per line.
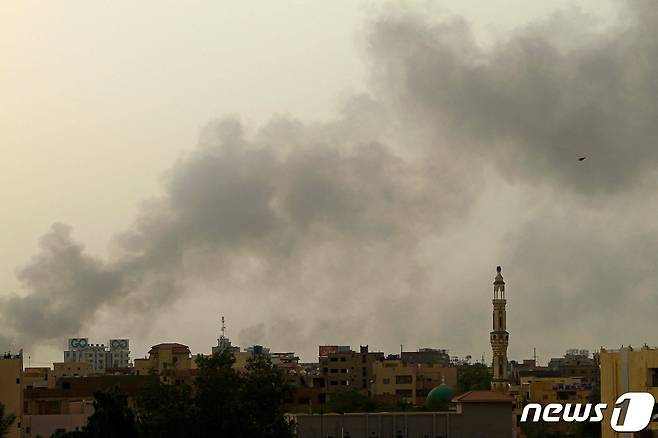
point(101, 357)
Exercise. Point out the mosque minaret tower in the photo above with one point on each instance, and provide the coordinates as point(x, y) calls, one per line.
point(499, 336)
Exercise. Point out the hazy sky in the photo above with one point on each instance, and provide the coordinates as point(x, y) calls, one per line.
point(378, 161)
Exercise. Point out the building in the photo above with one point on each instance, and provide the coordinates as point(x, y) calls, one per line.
point(545, 389)
point(427, 356)
point(36, 377)
point(577, 363)
point(165, 359)
point(72, 369)
point(101, 357)
point(72, 417)
point(477, 414)
point(67, 406)
point(349, 369)
point(397, 380)
point(628, 370)
point(499, 337)
point(11, 390)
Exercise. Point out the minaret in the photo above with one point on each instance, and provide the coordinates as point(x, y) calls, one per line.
point(499, 336)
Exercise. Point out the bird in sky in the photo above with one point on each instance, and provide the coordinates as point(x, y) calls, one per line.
point(581, 158)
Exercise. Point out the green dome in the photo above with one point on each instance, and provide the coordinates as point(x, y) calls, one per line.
point(439, 397)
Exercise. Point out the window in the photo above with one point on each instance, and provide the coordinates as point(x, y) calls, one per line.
point(403, 392)
point(342, 359)
point(653, 377)
point(386, 381)
point(403, 380)
point(334, 359)
point(18, 381)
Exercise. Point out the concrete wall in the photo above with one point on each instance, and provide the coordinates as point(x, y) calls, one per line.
point(473, 420)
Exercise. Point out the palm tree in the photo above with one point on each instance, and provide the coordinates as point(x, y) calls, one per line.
point(5, 421)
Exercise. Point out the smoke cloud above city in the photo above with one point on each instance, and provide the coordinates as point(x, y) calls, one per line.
point(385, 225)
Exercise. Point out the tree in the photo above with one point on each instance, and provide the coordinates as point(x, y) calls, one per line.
point(217, 405)
point(164, 411)
point(112, 417)
point(350, 400)
point(473, 378)
point(6, 421)
point(263, 392)
point(240, 405)
point(590, 429)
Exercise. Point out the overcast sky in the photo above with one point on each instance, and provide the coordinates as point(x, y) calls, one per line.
point(327, 173)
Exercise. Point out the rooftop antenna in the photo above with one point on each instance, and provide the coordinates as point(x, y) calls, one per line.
point(223, 328)
point(534, 354)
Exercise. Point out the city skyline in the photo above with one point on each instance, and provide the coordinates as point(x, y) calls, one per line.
point(432, 154)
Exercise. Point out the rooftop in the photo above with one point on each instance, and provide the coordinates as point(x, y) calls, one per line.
point(483, 397)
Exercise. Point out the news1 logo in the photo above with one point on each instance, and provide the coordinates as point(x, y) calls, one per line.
point(636, 407)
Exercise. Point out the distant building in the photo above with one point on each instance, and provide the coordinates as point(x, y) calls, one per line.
point(325, 350)
point(577, 363)
point(398, 380)
point(349, 369)
point(171, 361)
point(628, 370)
point(478, 414)
point(36, 377)
point(427, 356)
point(11, 390)
point(67, 406)
point(543, 388)
point(101, 357)
point(71, 369)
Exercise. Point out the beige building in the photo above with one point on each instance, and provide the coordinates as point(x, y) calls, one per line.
point(628, 370)
point(71, 369)
point(349, 369)
point(36, 377)
point(545, 390)
point(397, 379)
point(11, 390)
point(169, 360)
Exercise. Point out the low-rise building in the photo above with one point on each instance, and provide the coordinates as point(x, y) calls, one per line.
point(476, 414)
point(349, 369)
point(398, 380)
point(37, 377)
point(71, 369)
point(628, 370)
point(172, 362)
point(11, 390)
point(427, 356)
point(66, 407)
point(577, 363)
